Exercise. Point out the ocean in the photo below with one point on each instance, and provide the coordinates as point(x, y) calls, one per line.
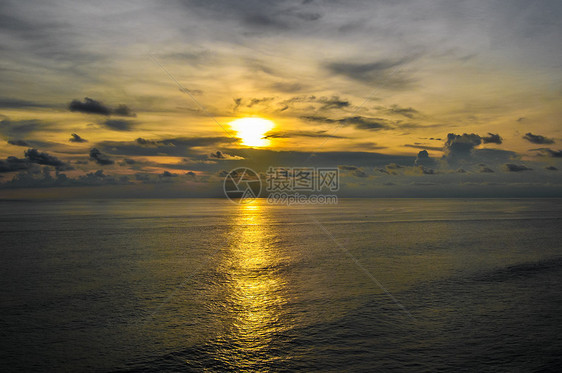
point(205, 285)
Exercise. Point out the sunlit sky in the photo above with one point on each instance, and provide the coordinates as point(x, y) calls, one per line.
point(407, 98)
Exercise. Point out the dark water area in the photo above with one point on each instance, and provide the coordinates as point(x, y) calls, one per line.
point(424, 285)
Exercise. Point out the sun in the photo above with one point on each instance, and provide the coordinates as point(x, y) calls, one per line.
point(252, 130)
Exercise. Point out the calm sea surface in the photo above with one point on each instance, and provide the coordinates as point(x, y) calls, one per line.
point(207, 285)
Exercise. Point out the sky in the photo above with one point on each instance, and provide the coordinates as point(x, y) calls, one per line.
point(407, 98)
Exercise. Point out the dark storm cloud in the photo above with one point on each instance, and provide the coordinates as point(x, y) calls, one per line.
point(383, 72)
point(492, 138)
point(18, 143)
point(100, 158)
point(516, 168)
point(13, 164)
point(423, 159)
point(359, 122)
point(119, 124)
point(551, 168)
point(91, 106)
point(42, 158)
point(537, 139)
point(460, 146)
point(547, 152)
point(76, 138)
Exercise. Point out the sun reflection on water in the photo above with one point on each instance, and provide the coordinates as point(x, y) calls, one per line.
point(256, 289)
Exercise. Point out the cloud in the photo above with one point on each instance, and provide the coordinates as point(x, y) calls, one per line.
point(333, 102)
point(423, 159)
point(259, 101)
point(13, 164)
point(551, 168)
point(287, 87)
point(492, 138)
point(424, 147)
point(91, 106)
point(168, 174)
point(547, 152)
point(392, 169)
point(145, 142)
point(323, 103)
point(14, 103)
point(426, 171)
point(178, 146)
point(359, 122)
point(217, 155)
point(123, 111)
point(408, 112)
point(76, 138)
point(119, 124)
point(364, 123)
point(355, 171)
point(20, 128)
point(458, 147)
point(485, 169)
point(18, 143)
point(34, 156)
point(220, 155)
point(347, 168)
point(382, 72)
point(359, 173)
point(493, 156)
point(537, 139)
point(292, 134)
point(100, 158)
point(516, 168)
point(260, 16)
